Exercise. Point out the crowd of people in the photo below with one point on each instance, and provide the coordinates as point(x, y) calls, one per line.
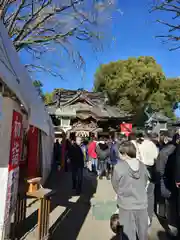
point(97, 155)
point(145, 173)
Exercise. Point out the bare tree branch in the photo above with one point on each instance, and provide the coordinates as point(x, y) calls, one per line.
point(173, 26)
point(4, 4)
point(40, 26)
point(40, 68)
point(16, 14)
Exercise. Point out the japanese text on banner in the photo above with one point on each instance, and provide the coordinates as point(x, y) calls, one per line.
point(16, 141)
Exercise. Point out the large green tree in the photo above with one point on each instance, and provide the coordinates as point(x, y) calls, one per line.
point(129, 83)
point(38, 85)
point(46, 97)
point(167, 95)
point(135, 83)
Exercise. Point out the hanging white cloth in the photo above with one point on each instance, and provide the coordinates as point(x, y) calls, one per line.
point(47, 145)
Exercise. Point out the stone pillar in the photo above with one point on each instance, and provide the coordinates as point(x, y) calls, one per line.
point(68, 134)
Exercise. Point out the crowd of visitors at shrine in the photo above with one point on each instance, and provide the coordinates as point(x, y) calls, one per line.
point(145, 173)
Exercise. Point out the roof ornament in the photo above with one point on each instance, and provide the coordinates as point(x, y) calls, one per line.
point(106, 98)
point(58, 98)
point(148, 111)
point(80, 89)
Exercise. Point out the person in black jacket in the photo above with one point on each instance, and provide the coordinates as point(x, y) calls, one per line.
point(165, 167)
point(114, 154)
point(77, 164)
point(57, 154)
point(177, 179)
point(103, 154)
point(177, 174)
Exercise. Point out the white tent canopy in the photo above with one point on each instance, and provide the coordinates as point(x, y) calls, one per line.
point(15, 76)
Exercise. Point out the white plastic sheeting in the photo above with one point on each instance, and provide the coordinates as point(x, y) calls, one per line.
point(47, 145)
point(14, 74)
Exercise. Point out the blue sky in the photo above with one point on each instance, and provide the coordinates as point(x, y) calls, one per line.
point(134, 33)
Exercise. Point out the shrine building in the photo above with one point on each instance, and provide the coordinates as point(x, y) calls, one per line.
point(84, 113)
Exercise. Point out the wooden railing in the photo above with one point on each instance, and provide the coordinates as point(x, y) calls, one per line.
point(40, 194)
point(19, 215)
point(44, 195)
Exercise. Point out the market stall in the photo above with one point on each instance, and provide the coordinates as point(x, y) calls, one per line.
point(23, 118)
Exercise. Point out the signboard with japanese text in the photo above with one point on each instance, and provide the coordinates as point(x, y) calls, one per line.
point(12, 190)
point(13, 167)
point(16, 141)
point(126, 128)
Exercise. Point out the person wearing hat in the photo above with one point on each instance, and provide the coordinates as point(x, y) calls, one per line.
point(164, 138)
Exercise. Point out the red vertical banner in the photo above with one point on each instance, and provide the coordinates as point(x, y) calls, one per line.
point(23, 159)
point(32, 151)
point(16, 141)
point(126, 128)
point(13, 167)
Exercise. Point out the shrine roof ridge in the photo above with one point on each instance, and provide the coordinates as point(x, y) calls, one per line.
point(96, 103)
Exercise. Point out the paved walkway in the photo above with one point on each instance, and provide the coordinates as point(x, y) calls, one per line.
point(83, 218)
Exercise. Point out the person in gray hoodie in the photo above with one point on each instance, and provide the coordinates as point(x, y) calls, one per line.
point(147, 153)
point(129, 181)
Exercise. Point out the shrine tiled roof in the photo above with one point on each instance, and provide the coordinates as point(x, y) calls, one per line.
point(176, 122)
point(158, 116)
point(85, 102)
point(67, 95)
